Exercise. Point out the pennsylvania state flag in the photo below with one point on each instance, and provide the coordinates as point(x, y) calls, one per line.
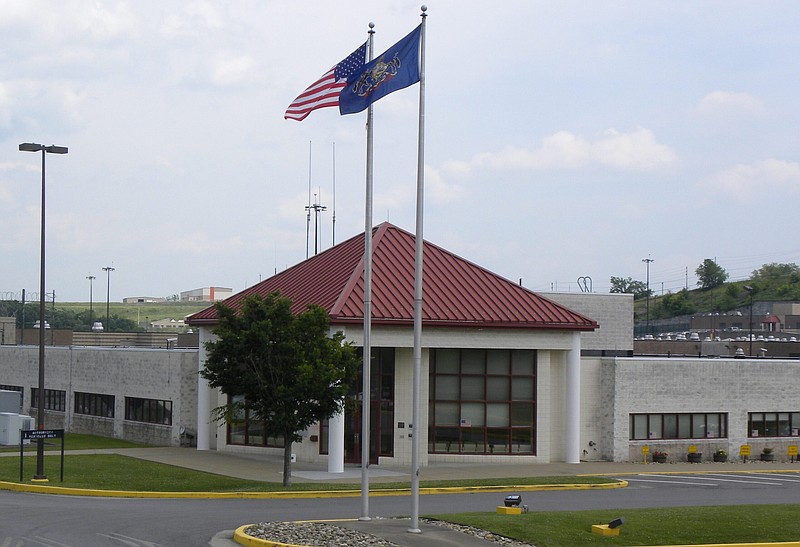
point(397, 68)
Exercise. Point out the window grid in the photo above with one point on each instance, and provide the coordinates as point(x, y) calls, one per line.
point(54, 399)
point(94, 404)
point(245, 429)
point(773, 424)
point(482, 402)
point(152, 411)
point(697, 425)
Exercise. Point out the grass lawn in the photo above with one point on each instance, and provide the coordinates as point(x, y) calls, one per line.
point(669, 526)
point(76, 441)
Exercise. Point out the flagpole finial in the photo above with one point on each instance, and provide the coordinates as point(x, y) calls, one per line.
point(424, 8)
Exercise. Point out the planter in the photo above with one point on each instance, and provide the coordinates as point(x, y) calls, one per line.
point(720, 457)
point(767, 457)
point(659, 459)
point(695, 457)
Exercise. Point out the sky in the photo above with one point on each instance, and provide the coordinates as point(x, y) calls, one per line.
point(562, 140)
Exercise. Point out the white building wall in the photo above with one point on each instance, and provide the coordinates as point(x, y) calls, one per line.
point(123, 372)
point(734, 386)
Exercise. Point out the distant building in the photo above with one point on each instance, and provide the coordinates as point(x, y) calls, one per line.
point(168, 324)
point(142, 299)
point(207, 294)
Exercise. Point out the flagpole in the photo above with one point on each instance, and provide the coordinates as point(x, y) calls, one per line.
point(415, 413)
point(365, 397)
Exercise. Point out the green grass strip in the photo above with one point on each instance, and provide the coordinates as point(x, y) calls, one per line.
point(665, 526)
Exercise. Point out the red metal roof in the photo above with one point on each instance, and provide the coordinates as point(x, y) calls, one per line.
point(455, 292)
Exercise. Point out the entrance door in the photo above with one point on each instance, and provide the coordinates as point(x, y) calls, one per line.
point(352, 433)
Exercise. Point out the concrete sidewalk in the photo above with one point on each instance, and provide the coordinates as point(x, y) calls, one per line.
point(269, 468)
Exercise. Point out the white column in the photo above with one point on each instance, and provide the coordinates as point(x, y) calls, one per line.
point(573, 410)
point(203, 397)
point(336, 443)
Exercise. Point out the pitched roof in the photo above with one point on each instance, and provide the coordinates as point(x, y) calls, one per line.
point(456, 292)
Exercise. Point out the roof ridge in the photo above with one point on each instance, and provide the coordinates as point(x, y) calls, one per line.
point(358, 271)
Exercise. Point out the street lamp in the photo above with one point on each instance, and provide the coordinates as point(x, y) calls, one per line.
point(749, 289)
point(108, 270)
point(52, 149)
point(647, 262)
point(91, 278)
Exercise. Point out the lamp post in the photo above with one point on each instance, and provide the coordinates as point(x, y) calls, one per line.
point(91, 278)
point(108, 270)
point(52, 149)
point(647, 262)
point(749, 289)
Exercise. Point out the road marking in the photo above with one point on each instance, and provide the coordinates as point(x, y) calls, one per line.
point(692, 483)
point(716, 478)
point(132, 542)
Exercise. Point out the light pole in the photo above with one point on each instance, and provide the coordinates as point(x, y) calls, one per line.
point(108, 270)
point(52, 149)
point(749, 289)
point(647, 262)
point(91, 278)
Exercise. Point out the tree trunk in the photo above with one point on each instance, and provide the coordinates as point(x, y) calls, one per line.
point(287, 463)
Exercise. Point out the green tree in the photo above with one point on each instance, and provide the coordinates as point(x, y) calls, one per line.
point(710, 274)
point(629, 286)
point(291, 372)
point(774, 273)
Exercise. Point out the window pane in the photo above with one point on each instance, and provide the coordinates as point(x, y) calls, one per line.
point(713, 425)
point(522, 441)
point(795, 416)
point(447, 361)
point(446, 388)
point(498, 440)
point(670, 426)
point(522, 389)
point(497, 415)
point(522, 362)
point(472, 414)
point(654, 426)
point(770, 424)
point(698, 426)
point(639, 426)
point(473, 361)
point(472, 388)
point(473, 440)
point(446, 413)
point(756, 425)
point(498, 361)
point(684, 426)
point(445, 439)
point(497, 388)
point(522, 414)
point(783, 424)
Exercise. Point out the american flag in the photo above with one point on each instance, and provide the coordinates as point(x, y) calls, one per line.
point(325, 91)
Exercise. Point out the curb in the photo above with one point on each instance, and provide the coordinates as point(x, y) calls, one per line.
point(37, 489)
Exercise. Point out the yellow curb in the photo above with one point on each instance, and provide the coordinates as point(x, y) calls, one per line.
point(298, 494)
point(703, 472)
point(242, 538)
point(758, 544)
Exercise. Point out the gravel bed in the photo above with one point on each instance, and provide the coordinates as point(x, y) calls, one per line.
point(321, 534)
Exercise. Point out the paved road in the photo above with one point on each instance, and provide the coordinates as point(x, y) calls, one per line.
point(62, 521)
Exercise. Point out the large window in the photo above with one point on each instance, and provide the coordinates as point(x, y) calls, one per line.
point(94, 404)
point(246, 429)
point(152, 411)
point(679, 426)
point(773, 424)
point(482, 401)
point(54, 399)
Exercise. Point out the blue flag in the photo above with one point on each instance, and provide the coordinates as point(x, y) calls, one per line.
point(397, 68)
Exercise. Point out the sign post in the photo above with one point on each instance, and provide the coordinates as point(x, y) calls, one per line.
point(744, 452)
point(793, 452)
point(40, 435)
point(645, 452)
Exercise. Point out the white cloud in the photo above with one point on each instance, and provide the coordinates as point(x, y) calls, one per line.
point(727, 103)
point(744, 182)
point(232, 70)
point(633, 151)
point(437, 189)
